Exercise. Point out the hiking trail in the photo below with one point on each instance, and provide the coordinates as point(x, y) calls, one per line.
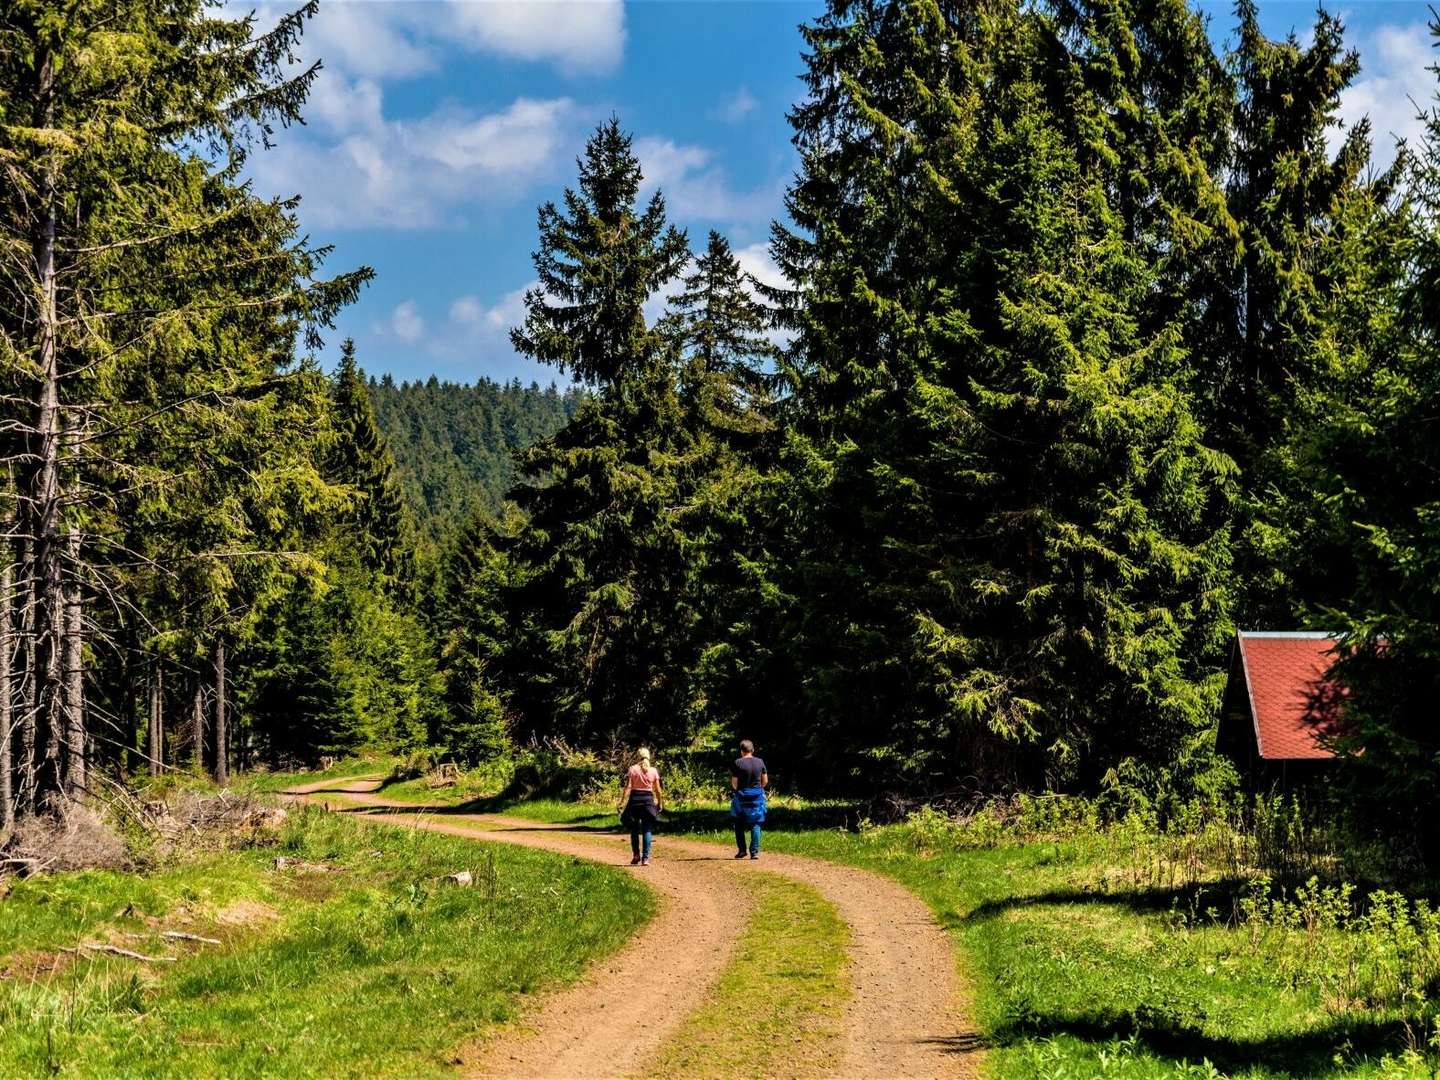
point(906, 1016)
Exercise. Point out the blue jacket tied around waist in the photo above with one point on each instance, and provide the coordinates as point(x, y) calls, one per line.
point(748, 805)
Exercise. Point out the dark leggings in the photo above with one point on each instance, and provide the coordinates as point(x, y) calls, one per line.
point(752, 832)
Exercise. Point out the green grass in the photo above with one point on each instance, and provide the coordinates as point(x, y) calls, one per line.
point(270, 782)
point(777, 1006)
point(1076, 978)
point(1078, 972)
point(372, 967)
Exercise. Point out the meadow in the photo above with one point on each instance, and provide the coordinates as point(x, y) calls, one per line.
point(1223, 941)
point(331, 948)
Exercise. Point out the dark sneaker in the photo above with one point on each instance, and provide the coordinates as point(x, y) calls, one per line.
point(635, 861)
point(740, 855)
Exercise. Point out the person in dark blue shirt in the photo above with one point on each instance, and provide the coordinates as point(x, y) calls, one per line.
point(748, 780)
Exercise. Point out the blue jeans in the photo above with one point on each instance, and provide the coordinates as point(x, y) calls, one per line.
point(754, 831)
point(635, 835)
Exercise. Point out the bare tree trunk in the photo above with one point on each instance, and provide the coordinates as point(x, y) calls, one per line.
point(74, 657)
point(45, 573)
point(125, 713)
point(7, 736)
point(197, 719)
point(29, 727)
point(222, 750)
point(155, 749)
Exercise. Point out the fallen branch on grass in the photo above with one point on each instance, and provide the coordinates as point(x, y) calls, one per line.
point(180, 935)
point(96, 946)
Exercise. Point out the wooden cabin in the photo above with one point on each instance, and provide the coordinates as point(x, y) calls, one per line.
point(1280, 706)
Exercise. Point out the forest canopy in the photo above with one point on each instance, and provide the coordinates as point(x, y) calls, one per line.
point(1099, 340)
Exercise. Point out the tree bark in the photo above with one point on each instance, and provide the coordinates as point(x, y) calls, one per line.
point(222, 766)
point(197, 718)
point(74, 659)
point(156, 743)
point(125, 712)
point(7, 736)
point(45, 573)
point(29, 726)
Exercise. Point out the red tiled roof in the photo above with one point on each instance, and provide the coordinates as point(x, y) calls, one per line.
point(1291, 701)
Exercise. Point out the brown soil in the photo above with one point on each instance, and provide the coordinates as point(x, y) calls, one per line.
point(906, 1017)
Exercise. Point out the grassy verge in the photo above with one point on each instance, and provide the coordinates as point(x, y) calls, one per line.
point(1086, 965)
point(1081, 974)
point(270, 782)
point(353, 958)
point(776, 1009)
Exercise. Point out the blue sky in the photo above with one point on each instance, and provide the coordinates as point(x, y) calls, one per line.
point(438, 126)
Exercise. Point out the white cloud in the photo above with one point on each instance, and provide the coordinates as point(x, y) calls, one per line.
point(466, 310)
point(1394, 85)
point(403, 38)
point(738, 106)
point(755, 260)
point(578, 35)
point(510, 311)
point(470, 311)
point(697, 189)
point(340, 105)
point(406, 322)
point(415, 173)
point(474, 337)
point(375, 40)
point(522, 139)
point(361, 168)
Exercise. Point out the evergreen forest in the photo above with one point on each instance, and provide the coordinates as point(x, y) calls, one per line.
point(1102, 337)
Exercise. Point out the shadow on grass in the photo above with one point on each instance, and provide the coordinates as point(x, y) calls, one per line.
point(1299, 1054)
point(1222, 896)
point(689, 821)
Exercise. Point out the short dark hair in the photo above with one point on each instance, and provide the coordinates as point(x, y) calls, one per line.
point(746, 746)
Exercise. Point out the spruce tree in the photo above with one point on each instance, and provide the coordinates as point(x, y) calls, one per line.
point(600, 593)
point(381, 521)
point(1005, 550)
point(1361, 500)
point(729, 384)
point(1264, 331)
point(474, 628)
point(152, 310)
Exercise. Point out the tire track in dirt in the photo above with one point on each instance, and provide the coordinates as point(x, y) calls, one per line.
point(906, 1018)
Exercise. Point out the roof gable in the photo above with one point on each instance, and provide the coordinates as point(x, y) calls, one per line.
point(1293, 703)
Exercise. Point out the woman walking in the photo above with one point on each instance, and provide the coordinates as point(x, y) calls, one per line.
point(640, 806)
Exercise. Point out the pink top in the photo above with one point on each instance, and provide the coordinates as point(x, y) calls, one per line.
point(643, 779)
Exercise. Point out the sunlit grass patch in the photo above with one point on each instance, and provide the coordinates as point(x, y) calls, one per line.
point(777, 1007)
point(353, 957)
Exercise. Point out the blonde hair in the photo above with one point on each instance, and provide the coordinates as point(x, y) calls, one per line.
point(643, 754)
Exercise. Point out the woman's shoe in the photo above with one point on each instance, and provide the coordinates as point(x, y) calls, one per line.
point(755, 856)
point(645, 861)
point(739, 855)
point(635, 861)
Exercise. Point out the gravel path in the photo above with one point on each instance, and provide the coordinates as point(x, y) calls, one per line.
point(906, 1017)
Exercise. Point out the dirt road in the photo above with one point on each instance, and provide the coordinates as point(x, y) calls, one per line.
point(906, 1017)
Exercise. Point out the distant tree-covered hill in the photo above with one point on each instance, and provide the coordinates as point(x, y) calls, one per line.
point(453, 442)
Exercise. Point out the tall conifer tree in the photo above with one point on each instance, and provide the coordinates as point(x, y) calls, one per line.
point(601, 580)
point(1006, 553)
